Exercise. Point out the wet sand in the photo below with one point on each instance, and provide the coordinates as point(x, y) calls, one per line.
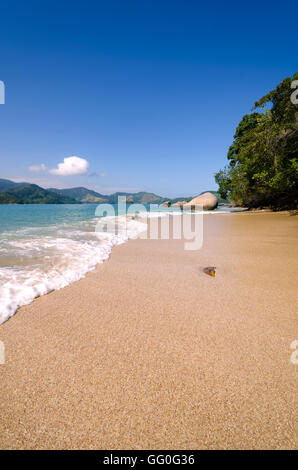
point(148, 352)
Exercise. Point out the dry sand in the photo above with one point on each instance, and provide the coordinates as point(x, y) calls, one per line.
point(148, 352)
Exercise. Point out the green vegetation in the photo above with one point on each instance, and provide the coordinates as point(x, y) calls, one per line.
point(263, 158)
point(85, 195)
point(25, 193)
point(138, 198)
point(8, 199)
point(81, 194)
point(5, 184)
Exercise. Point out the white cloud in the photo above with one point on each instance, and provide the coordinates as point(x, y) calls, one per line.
point(71, 166)
point(41, 167)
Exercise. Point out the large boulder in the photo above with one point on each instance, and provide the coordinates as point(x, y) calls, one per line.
point(207, 200)
point(179, 204)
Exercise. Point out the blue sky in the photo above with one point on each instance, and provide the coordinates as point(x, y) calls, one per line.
point(148, 92)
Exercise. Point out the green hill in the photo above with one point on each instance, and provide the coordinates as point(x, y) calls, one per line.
point(88, 196)
point(137, 198)
point(5, 184)
point(8, 199)
point(81, 194)
point(25, 193)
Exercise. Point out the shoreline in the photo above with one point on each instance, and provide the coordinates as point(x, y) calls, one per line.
point(148, 352)
point(237, 210)
point(22, 287)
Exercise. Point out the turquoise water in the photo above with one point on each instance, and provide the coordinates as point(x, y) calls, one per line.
point(17, 216)
point(46, 247)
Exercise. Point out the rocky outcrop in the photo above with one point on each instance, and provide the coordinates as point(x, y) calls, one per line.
point(207, 200)
point(167, 204)
point(179, 204)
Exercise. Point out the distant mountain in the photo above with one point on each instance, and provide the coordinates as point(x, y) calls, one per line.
point(88, 196)
point(4, 184)
point(182, 198)
point(81, 194)
point(26, 193)
point(137, 198)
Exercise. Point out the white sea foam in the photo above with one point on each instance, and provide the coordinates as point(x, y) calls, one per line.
point(38, 260)
point(38, 265)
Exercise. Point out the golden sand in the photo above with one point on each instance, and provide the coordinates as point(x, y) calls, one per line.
point(147, 352)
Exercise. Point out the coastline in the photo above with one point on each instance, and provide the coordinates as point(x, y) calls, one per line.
point(148, 352)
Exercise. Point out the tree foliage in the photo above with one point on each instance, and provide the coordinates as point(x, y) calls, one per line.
point(263, 158)
point(31, 194)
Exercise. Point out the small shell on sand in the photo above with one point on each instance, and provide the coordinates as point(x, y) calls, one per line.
point(210, 270)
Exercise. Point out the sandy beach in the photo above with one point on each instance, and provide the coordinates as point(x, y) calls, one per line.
point(148, 352)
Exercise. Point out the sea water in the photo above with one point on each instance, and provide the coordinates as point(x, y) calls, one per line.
point(44, 247)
